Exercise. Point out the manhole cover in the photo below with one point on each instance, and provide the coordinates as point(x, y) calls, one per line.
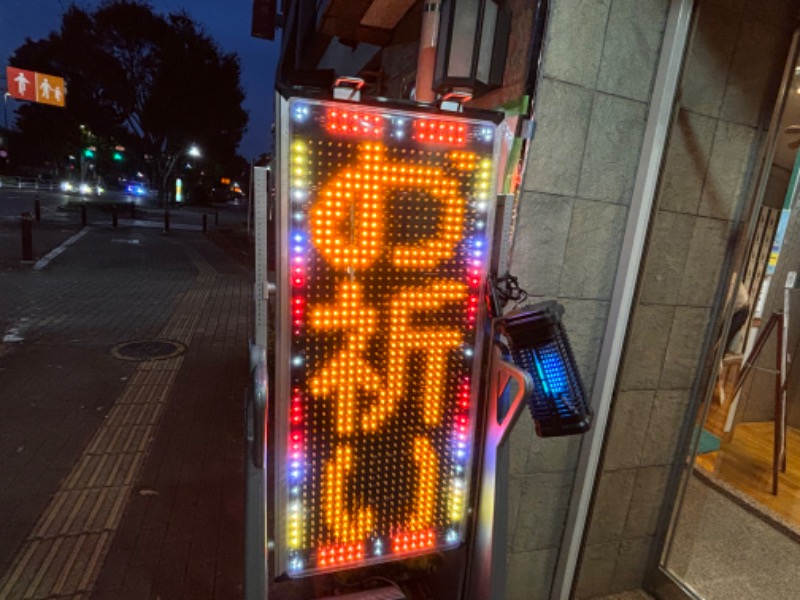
point(148, 350)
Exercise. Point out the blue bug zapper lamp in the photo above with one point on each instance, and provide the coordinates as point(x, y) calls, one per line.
point(538, 344)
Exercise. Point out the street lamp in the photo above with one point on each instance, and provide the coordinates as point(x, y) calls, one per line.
point(5, 109)
point(194, 151)
point(472, 46)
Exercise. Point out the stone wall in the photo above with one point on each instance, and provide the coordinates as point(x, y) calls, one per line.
point(599, 62)
point(727, 93)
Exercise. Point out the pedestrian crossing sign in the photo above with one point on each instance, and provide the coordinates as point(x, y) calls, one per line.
point(36, 87)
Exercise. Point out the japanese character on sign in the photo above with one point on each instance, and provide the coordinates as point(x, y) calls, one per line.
point(388, 215)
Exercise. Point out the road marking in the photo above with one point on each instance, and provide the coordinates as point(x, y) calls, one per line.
point(14, 333)
point(45, 260)
point(132, 242)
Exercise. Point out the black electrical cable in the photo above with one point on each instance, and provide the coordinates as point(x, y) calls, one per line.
point(507, 289)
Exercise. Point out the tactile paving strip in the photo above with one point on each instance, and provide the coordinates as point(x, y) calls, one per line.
point(64, 552)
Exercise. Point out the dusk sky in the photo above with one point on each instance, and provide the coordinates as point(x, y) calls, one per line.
point(226, 21)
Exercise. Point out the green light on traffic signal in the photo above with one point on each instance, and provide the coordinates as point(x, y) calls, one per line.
point(88, 153)
point(117, 156)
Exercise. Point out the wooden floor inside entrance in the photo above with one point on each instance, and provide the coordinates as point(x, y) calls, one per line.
point(745, 462)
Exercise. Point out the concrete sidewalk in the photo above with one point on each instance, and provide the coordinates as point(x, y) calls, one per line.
point(123, 479)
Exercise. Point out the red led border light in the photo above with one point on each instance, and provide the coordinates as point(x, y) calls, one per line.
point(447, 133)
point(372, 134)
point(353, 123)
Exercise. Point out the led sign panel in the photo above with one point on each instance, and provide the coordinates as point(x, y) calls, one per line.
point(385, 216)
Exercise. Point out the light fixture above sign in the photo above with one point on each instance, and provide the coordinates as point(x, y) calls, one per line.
point(472, 46)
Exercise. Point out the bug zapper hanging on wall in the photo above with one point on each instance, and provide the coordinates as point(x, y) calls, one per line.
point(538, 343)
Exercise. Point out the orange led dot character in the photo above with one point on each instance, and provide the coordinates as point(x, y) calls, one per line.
point(427, 476)
point(358, 225)
point(344, 528)
point(348, 372)
point(434, 343)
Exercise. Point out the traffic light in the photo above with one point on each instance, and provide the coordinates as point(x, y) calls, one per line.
point(117, 156)
point(88, 153)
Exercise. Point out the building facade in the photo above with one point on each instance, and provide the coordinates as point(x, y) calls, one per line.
point(638, 197)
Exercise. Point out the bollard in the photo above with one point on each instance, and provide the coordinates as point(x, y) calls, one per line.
point(114, 216)
point(83, 215)
point(216, 218)
point(133, 210)
point(205, 222)
point(37, 209)
point(26, 225)
point(166, 221)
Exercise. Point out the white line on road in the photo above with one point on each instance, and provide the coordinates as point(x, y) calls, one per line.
point(14, 333)
point(45, 260)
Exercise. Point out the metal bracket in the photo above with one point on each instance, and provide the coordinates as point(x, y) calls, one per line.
point(348, 88)
point(454, 100)
point(527, 128)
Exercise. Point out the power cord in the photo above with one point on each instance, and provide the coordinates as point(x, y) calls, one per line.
point(502, 290)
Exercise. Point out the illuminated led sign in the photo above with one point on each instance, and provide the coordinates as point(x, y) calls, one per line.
point(384, 217)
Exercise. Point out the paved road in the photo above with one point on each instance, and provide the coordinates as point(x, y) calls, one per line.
point(15, 201)
point(123, 479)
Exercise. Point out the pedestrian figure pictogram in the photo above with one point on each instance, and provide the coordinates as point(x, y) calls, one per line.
point(45, 88)
point(35, 87)
point(22, 83)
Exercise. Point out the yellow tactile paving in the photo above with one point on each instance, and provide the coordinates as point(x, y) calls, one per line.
point(65, 550)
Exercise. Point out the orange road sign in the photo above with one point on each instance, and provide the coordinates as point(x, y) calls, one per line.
point(36, 87)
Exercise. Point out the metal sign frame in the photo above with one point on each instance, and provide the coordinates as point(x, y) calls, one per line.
point(308, 559)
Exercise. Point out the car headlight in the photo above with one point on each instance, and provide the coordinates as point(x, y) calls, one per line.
point(66, 186)
point(85, 189)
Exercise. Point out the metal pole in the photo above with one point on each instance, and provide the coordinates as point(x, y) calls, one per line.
point(205, 222)
point(250, 195)
point(216, 218)
point(426, 58)
point(26, 227)
point(114, 222)
point(37, 209)
point(166, 221)
point(784, 367)
point(777, 450)
point(83, 215)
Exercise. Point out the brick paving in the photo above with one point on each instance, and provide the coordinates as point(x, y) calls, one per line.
point(122, 479)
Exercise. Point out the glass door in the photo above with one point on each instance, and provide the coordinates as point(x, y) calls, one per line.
point(735, 528)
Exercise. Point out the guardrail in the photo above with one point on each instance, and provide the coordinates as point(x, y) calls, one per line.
point(28, 183)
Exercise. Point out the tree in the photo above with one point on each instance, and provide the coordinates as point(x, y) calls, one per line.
point(153, 83)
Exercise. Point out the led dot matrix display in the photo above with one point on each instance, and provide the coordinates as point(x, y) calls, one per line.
point(387, 214)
